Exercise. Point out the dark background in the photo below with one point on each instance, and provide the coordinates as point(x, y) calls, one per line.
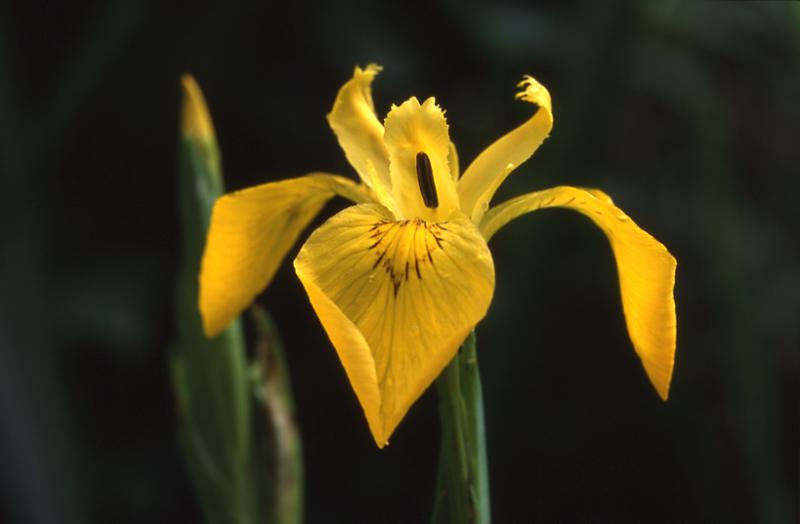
point(687, 113)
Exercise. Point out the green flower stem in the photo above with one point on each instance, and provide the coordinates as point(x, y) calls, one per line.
point(462, 485)
point(281, 444)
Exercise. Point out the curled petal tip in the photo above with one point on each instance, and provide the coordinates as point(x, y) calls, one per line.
point(533, 92)
point(372, 69)
point(484, 175)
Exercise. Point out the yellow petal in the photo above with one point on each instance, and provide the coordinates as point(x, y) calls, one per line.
point(411, 129)
point(195, 120)
point(646, 271)
point(396, 299)
point(360, 133)
point(452, 160)
point(249, 235)
point(485, 174)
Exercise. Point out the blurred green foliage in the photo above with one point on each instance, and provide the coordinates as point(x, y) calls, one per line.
point(685, 112)
point(235, 416)
point(209, 376)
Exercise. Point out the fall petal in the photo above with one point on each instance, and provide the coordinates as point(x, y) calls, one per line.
point(397, 300)
point(646, 271)
point(249, 235)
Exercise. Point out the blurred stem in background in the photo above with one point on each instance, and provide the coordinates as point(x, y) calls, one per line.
point(237, 428)
point(36, 441)
point(610, 33)
point(37, 444)
point(280, 454)
point(462, 483)
point(719, 216)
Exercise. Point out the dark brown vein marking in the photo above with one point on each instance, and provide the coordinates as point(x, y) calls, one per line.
point(396, 265)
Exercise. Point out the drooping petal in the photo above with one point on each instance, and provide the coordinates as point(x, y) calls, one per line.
point(646, 271)
point(249, 235)
point(360, 132)
point(413, 128)
point(396, 298)
point(485, 174)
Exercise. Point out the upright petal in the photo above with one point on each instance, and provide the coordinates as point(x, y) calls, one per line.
point(396, 299)
point(452, 161)
point(646, 271)
point(249, 235)
point(412, 129)
point(360, 133)
point(485, 174)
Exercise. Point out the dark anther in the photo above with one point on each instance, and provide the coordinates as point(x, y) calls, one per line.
point(425, 178)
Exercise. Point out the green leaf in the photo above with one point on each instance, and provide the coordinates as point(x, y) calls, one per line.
point(210, 376)
point(237, 424)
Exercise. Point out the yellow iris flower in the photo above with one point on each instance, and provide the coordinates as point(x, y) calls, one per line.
point(401, 278)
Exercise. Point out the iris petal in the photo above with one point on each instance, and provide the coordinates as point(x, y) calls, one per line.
point(249, 235)
point(413, 128)
point(396, 300)
point(485, 174)
point(646, 271)
point(360, 133)
point(452, 160)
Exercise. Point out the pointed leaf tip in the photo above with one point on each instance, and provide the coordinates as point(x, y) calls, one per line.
point(195, 119)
